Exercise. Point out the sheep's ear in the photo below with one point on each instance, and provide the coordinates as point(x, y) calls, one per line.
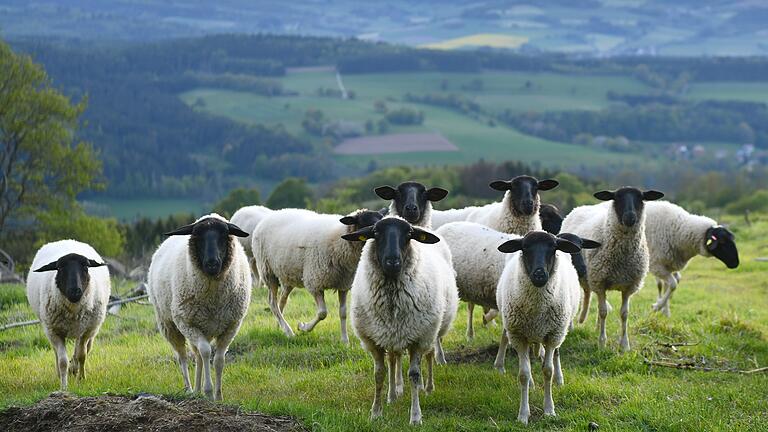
point(386, 192)
point(359, 235)
point(589, 244)
point(422, 236)
point(384, 211)
point(94, 263)
point(548, 184)
point(652, 195)
point(604, 195)
point(348, 220)
point(436, 194)
point(566, 246)
point(236, 231)
point(185, 230)
point(48, 267)
point(511, 246)
point(500, 185)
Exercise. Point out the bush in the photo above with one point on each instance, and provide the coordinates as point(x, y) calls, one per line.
point(292, 192)
point(235, 199)
point(757, 201)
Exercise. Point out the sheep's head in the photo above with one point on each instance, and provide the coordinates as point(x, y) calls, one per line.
point(721, 243)
point(538, 253)
point(392, 235)
point(363, 218)
point(524, 192)
point(210, 245)
point(628, 203)
point(551, 219)
point(410, 198)
point(72, 276)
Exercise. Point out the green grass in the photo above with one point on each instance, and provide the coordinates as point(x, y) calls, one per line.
point(475, 138)
point(328, 386)
point(744, 91)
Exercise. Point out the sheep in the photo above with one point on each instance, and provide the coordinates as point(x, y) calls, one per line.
point(551, 219)
point(200, 285)
point(296, 247)
point(477, 262)
point(674, 237)
point(538, 297)
point(622, 263)
point(518, 212)
point(443, 217)
point(412, 201)
point(404, 298)
point(247, 218)
point(68, 288)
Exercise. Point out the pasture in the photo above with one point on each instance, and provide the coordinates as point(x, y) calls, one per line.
point(722, 314)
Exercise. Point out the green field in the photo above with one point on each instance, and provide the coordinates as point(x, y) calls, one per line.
point(744, 91)
point(474, 137)
point(328, 386)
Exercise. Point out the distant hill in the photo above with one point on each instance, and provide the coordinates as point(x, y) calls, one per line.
point(586, 27)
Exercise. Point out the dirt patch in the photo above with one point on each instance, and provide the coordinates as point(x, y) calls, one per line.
point(66, 412)
point(473, 355)
point(395, 143)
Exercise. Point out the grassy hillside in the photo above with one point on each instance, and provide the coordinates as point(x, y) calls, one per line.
point(329, 386)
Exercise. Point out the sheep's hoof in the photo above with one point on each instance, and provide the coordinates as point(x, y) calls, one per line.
point(429, 388)
point(500, 369)
point(304, 327)
point(376, 412)
point(523, 419)
point(550, 413)
point(625, 346)
point(415, 421)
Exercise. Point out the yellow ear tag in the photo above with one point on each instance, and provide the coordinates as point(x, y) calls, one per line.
point(362, 238)
point(422, 237)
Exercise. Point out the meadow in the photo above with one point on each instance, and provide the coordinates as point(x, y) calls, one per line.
point(722, 314)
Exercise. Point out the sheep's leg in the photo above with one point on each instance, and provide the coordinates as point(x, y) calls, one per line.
point(502, 353)
point(179, 345)
point(379, 371)
point(285, 291)
point(624, 342)
point(399, 385)
point(204, 348)
point(660, 289)
point(272, 285)
point(549, 370)
point(602, 313)
point(470, 328)
point(78, 357)
point(439, 353)
point(414, 373)
point(395, 377)
point(663, 303)
point(430, 358)
point(62, 364)
point(585, 299)
point(322, 312)
point(489, 315)
point(222, 345)
point(198, 370)
point(558, 370)
point(343, 316)
point(524, 377)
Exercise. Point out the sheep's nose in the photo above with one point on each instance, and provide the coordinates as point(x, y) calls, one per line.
point(212, 265)
point(539, 277)
point(411, 208)
point(528, 206)
point(392, 262)
point(629, 219)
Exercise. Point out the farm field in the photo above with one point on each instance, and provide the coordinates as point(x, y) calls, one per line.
point(328, 386)
point(744, 91)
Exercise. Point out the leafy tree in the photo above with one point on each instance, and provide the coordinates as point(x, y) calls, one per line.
point(292, 192)
point(235, 199)
point(105, 235)
point(42, 167)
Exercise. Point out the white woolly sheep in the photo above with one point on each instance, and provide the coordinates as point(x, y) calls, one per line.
point(68, 288)
point(477, 262)
point(674, 237)
point(412, 201)
point(247, 218)
point(200, 285)
point(296, 247)
point(404, 299)
point(442, 217)
point(622, 262)
point(538, 297)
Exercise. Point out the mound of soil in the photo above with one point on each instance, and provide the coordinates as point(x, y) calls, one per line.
point(66, 412)
point(473, 355)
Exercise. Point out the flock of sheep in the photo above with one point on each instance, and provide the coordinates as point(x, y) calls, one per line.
point(406, 266)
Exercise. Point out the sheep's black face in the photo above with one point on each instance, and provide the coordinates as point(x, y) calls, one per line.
point(392, 236)
point(721, 243)
point(524, 191)
point(551, 219)
point(628, 203)
point(538, 248)
point(210, 245)
point(577, 259)
point(410, 199)
point(72, 277)
point(364, 218)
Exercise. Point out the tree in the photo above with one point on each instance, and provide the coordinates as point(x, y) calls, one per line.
point(42, 165)
point(105, 235)
point(235, 199)
point(292, 192)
